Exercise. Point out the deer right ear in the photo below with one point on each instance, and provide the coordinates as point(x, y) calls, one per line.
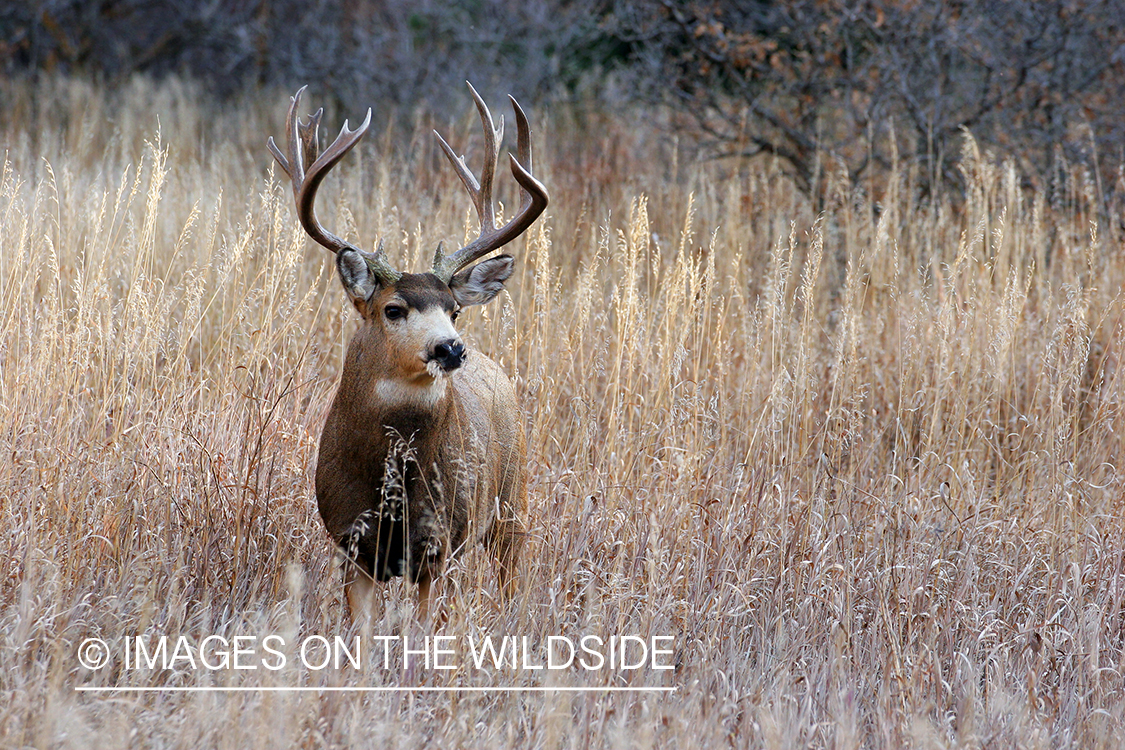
point(356, 275)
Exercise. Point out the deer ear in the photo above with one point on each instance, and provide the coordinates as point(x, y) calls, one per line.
point(356, 276)
point(479, 284)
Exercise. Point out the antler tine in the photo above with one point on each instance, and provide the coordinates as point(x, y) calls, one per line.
point(310, 137)
point(533, 196)
point(521, 170)
point(307, 167)
point(493, 137)
point(293, 164)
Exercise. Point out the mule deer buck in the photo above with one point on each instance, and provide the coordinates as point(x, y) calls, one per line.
point(423, 449)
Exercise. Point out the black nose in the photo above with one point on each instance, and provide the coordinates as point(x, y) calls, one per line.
point(449, 354)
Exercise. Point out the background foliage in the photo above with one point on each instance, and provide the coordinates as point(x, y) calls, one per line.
point(823, 85)
point(859, 84)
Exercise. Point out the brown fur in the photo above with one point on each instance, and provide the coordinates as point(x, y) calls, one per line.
point(459, 449)
point(423, 448)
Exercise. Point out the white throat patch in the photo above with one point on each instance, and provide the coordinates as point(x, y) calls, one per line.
point(425, 394)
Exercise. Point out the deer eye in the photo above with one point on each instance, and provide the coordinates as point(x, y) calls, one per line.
point(454, 315)
point(394, 312)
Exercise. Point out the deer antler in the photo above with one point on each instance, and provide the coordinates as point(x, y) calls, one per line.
point(533, 196)
point(307, 168)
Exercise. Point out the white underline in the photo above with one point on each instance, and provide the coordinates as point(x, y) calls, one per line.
point(374, 689)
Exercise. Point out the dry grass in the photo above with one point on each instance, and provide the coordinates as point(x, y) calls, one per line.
point(863, 472)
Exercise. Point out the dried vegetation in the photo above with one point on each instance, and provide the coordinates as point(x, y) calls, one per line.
point(862, 465)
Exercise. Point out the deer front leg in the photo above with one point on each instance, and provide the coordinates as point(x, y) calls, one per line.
point(425, 596)
point(506, 543)
point(364, 595)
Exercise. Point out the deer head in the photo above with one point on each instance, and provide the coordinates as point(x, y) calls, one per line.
point(417, 309)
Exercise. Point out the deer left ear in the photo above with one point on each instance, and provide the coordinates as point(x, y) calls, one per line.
point(479, 284)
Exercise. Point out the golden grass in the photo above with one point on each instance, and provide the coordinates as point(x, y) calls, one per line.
point(862, 470)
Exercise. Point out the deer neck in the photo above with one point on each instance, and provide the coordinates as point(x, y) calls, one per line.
point(425, 397)
point(383, 401)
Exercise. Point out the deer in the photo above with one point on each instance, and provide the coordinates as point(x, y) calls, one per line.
point(422, 451)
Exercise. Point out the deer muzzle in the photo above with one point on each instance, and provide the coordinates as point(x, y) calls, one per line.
point(448, 354)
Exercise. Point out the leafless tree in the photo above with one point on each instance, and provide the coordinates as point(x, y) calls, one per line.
point(386, 50)
point(834, 79)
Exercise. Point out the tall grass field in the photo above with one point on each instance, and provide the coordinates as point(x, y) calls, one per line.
point(836, 475)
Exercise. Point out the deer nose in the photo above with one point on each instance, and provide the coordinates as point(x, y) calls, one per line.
point(450, 354)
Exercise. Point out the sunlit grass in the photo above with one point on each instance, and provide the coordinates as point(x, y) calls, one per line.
point(861, 464)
